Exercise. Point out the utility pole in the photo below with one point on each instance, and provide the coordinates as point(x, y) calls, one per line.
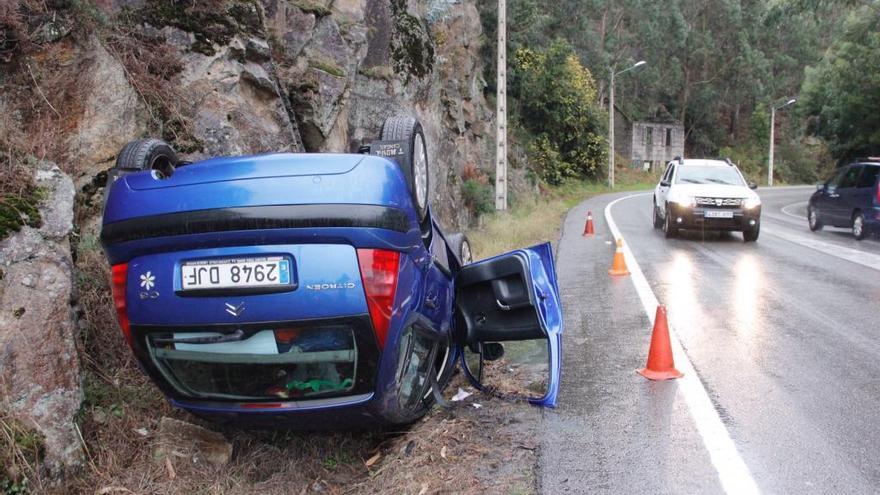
point(772, 139)
point(611, 120)
point(501, 110)
point(773, 109)
point(611, 132)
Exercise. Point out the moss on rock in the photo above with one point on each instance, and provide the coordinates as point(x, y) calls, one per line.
point(19, 210)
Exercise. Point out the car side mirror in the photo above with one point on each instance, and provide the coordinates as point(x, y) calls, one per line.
point(664, 183)
point(753, 185)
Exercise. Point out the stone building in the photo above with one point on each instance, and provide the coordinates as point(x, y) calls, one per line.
point(647, 144)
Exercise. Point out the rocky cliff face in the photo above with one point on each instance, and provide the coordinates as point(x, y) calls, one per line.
point(289, 75)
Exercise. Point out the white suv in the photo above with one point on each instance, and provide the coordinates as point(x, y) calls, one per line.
point(706, 195)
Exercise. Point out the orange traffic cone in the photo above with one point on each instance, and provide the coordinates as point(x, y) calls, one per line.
point(660, 365)
point(588, 227)
point(618, 267)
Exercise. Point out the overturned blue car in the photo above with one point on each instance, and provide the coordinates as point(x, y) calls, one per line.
point(314, 290)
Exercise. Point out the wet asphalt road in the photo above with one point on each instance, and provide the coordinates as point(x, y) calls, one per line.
point(784, 335)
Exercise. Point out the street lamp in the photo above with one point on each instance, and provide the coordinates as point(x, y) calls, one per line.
point(773, 110)
point(611, 121)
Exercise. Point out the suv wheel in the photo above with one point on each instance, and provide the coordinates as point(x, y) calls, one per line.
point(751, 234)
point(669, 228)
point(858, 226)
point(813, 219)
point(658, 222)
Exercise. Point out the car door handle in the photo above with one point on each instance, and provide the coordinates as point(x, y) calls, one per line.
point(501, 305)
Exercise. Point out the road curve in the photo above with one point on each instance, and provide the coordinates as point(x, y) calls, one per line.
point(782, 334)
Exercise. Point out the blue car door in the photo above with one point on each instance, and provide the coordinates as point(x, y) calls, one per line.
point(863, 194)
point(842, 205)
point(511, 299)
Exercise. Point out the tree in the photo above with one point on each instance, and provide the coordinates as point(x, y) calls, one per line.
point(841, 94)
point(556, 100)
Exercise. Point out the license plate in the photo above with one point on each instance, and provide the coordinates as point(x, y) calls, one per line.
point(236, 273)
point(718, 214)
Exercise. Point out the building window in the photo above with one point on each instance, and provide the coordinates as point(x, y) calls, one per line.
point(649, 136)
point(668, 137)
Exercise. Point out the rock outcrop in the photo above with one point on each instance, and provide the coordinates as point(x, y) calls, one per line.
point(39, 371)
point(112, 112)
point(297, 75)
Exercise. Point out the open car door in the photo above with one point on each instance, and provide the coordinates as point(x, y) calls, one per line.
point(512, 299)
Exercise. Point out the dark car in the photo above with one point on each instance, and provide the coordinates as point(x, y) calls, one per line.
point(311, 290)
point(849, 199)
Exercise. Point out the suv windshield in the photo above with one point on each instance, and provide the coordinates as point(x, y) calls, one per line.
point(708, 174)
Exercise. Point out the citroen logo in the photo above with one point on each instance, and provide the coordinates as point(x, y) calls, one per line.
point(235, 310)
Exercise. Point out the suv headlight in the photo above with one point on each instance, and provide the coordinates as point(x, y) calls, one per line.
point(750, 203)
point(685, 201)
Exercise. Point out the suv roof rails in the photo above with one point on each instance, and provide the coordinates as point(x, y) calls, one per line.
point(728, 161)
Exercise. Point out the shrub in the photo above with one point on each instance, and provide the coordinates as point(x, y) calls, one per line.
point(557, 102)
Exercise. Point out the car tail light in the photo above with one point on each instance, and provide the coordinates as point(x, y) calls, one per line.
point(877, 197)
point(379, 276)
point(119, 277)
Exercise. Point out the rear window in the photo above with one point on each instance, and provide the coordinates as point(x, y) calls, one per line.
point(280, 363)
point(850, 177)
point(869, 176)
point(709, 174)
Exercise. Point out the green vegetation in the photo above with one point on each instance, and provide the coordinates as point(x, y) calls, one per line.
point(477, 196)
point(717, 66)
point(327, 66)
point(412, 49)
point(16, 211)
point(556, 98)
point(21, 449)
point(841, 94)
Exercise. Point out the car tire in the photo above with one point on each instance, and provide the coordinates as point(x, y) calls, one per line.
point(658, 222)
point(461, 246)
point(417, 173)
point(669, 230)
point(140, 155)
point(751, 234)
point(858, 226)
point(813, 219)
point(406, 409)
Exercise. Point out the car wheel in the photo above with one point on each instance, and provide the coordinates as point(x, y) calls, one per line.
point(813, 219)
point(140, 155)
point(858, 226)
point(751, 234)
point(418, 356)
point(669, 228)
point(461, 246)
point(658, 222)
point(417, 175)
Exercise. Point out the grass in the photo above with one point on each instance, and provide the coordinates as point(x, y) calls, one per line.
point(538, 219)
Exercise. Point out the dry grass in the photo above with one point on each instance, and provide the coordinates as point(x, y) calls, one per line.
point(538, 219)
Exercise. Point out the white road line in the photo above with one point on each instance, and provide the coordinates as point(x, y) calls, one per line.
point(799, 217)
point(733, 473)
point(856, 256)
